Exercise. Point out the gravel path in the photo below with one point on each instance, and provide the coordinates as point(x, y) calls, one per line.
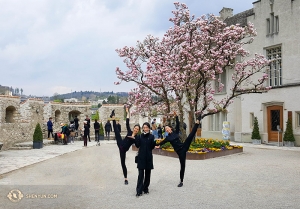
point(92, 178)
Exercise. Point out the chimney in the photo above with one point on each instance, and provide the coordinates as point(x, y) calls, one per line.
point(225, 13)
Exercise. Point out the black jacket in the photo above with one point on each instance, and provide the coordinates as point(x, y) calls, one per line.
point(86, 131)
point(96, 126)
point(108, 127)
point(127, 141)
point(174, 138)
point(145, 143)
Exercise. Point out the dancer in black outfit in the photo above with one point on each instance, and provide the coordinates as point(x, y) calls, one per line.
point(146, 143)
point(179, 147)
point(125, 144)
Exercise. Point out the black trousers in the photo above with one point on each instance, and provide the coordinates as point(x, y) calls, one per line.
point(50, 131)
point(182, 154)
point(124, 168)
point(122, 153)
point(143, 181)
point(97, 135)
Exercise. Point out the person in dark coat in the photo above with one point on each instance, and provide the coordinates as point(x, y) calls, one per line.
point(125, 144)
point(159, 131)
point(180, 147)
point(50, 128)
point(86, 131)
point(76, 122)
point(108, 129)
point(146, 143)
point(89, 124)
point(97, 129)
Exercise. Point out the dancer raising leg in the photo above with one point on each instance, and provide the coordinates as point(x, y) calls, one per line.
point(124, 144)
point(179, 147)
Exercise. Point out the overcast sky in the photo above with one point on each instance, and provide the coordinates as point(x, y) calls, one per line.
point(59, 46)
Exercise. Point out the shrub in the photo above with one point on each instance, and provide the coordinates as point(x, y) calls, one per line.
point(255, 132)
point(101, 130)
point(38, 134)
point(288, 134)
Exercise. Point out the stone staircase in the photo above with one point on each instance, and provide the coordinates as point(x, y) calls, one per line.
point(28, 145)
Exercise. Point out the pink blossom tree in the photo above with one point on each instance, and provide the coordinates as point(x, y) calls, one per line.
point(185, 66)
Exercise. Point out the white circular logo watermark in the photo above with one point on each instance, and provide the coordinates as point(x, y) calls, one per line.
point(15, 195)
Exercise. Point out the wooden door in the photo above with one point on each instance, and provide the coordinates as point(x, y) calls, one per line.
point(275, 118)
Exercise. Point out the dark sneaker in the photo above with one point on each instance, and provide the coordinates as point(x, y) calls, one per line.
point(126, 182)
point(138, 195)
point(146, 192)
point(180, 184)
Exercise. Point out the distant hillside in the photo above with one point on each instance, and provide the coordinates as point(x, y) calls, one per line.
point(89, 95)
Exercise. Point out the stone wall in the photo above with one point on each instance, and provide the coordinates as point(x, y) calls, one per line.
point(18, 120)
point(106, 109)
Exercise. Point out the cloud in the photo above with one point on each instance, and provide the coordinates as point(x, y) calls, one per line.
point(50, 46)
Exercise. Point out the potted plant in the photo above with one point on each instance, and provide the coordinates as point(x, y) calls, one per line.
point(101, 132)
point(37, 137)
point(256, 139)
point(288, 137)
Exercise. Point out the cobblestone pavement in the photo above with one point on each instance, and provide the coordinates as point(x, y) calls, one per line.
point(260, 177)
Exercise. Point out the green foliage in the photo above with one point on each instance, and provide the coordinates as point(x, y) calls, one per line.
point(288, 134)
point(255, 132)
point(58, 100)
point(95, 116)
point(38, 134)
point(99, 105)
point(101, 131)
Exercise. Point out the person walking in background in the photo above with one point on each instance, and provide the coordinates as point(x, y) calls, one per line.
point(154, 128)
point(76, 122)
point(50, 128)
point(125, 144)
point(89, 124)
point(86, 131)
point(72, 132)
point(108, 129)
point(180, 148)
point(146, 143)
point(159, 131)
point(97, 128)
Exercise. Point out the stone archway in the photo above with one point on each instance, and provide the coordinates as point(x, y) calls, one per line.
point(10, 114)
point(57, 115)
point(74, 113)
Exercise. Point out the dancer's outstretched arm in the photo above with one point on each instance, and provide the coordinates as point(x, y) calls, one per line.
point(127, 122)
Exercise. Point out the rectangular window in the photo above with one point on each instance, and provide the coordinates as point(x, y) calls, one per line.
point(276, 24)
point(268, 26)
point(275, 72)
point(220, 82)
point(272, 23)
point(298, 119)
point(251, 119)
point(216, 121)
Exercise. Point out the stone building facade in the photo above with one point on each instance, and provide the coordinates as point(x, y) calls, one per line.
point(18, 120)
point(278, 31)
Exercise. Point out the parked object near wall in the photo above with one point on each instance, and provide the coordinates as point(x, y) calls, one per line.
point(37, 137)
point(256, 139)
point(288, 137)
point(1, 144)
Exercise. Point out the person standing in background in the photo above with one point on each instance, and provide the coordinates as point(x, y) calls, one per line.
point(97, 128)
point(108, 129)
point(50, 128)
point(76, 122)
point(89, 124)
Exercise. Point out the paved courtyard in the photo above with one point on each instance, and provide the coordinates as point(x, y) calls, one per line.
point(71, 176)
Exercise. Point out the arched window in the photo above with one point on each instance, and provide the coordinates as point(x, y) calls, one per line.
point(10, 114)
point(73, 113)
point(57, 115)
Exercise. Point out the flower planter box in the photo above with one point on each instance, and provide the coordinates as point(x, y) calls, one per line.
point(256, 141)
point(288, 144)
point(1, 145)
point(101, 137)
point(195, 156)
point(37, 145)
